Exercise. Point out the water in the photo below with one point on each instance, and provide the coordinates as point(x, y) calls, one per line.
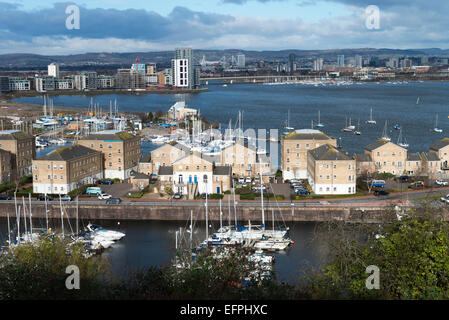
point(152, 243)
point(267, 107)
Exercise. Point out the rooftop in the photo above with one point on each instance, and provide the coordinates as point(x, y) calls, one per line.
point(222, 170)
point(440, 144)
point(329, 152)
point(69, 153)
point(165, 171)
point(307, 134)
point(109, 135)
point(373, 146)
point(14, 135)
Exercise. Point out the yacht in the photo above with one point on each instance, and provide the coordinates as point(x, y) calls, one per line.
point(402, 142)
point(384, 133)
point(437, 128)
point(319, 124)
point(371, 120)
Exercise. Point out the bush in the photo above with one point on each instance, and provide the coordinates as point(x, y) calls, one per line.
point(26, 180)
point(247, 196)
point(385, 176)
point(6, 186)
point(227, 192)
point(215, 196)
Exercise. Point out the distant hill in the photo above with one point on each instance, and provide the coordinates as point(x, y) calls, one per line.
point(20, 61)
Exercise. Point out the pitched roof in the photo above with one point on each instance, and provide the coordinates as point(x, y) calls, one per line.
point(14, 135)
point(307, 134)
point(431, 156)
point(413, 156)
point(222, 170)
point(373, 146)
point(362, 157)
point(110, 135)
point(440, 144)
point(144, 158)
point(69, 153)
point(329, 152)
point(165, 171)
point(139, 175)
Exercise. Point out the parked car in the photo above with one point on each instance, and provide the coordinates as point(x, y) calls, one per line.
point(114, 201)
point(5, 197)
point(248, 180)
point(104, 196)
point(294, 181)
point(416, 184)
point(106, 181)
point(445, 199)
point(381, 193)
point(258, 188)
point(66, 198)
point(442, 182)
point(403, 178)
point(94, 190)
point(378, 183)
point(241, 180)
point(203, 196)
point(303, 191)
point(177, 196)
point(42, 198)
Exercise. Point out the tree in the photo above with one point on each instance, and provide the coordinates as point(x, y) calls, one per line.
point(411, 254)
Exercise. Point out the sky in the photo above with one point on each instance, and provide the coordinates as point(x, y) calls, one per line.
point(30, 26)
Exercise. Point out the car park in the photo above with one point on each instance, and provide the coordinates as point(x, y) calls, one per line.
point(442, 182)
point(114, 201)
point(43, 197)
point(381, 193)
point(104, 196)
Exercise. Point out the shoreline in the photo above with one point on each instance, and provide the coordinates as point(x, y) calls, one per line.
point(22, 94)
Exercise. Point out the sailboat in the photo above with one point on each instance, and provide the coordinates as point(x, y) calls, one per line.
point(287, 127)
point(350, 127)
point(437, 128)
point(417, 101)
point(397, 126)
point(358, 132)
point(371, 121)
point(402, 142)
point(384, 133)
point(319, 124)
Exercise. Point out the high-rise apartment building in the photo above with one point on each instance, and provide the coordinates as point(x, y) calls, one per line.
point(241, 61)
point(341, 60)
point(182, 64)
point(53, 70)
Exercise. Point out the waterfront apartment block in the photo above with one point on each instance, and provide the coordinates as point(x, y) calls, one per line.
point(22, 147)
point(441, 149)
point(5, 166)
point(196, 174)
point(167, 154)
point(388, 157)
point(145, 165)
point(294, 149)
point(331, 170)
point(120, 149)
point(178, 111)
point(66, 169)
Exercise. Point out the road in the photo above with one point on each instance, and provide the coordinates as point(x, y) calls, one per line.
point(367, 201)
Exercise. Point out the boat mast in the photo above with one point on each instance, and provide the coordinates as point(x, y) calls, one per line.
point(261, 195)
point(31, 214)
point(9, 228)
point(207, 222)
point(77, 203)
point(221, 217)
point(24, 216)
point(62, 216)
point(46, 211)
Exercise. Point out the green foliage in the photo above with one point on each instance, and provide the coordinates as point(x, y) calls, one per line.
point(37, 271)
point(412, 256)
point(26, 180)
point(385, 176)
point(215, 196)
point(279, 173)
point(6, 186)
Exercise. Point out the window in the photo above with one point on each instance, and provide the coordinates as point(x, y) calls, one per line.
point(335, 166)
point(205, 178)
point(307, 145)
point(110, 164)
point(61, 167)
point(35, 177)
point(110, 146)
point(101, 146)
point(62, 177)
point(288, 160)
point(110, 155)
point(288, 150)
point(297, 146)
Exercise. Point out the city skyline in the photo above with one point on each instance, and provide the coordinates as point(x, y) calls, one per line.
point(117, 26)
